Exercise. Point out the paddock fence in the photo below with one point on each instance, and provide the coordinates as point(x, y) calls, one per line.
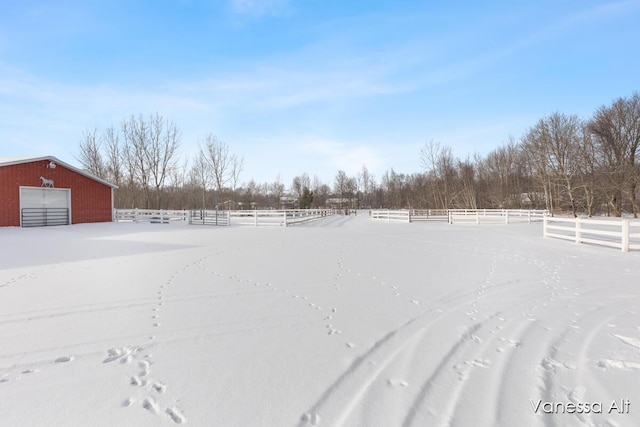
point(255, 218)
point(159, 216)
point(283, 218)
point(623, 234)
point(495, 216)
point(460, 216)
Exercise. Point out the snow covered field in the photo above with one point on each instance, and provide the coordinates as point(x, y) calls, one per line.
point(341, 322)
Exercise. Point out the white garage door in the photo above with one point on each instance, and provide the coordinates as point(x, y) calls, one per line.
point(44, 206)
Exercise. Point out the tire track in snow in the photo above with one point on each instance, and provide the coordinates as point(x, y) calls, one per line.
point(340, 401)
point(352, 385)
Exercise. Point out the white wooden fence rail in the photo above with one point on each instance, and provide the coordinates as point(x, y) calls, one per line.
point(282, 218)
point(623, 234)
point(460, 216)
point(149, 215)
point(494, 216)
point(212, 217)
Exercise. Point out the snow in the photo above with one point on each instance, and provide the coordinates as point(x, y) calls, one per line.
point(341, 322)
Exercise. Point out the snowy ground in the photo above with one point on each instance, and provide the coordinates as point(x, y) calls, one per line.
point(345, 322)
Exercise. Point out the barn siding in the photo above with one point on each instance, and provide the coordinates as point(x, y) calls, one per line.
point(90, 199)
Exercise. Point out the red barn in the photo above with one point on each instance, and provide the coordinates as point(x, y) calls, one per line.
point(39, 191)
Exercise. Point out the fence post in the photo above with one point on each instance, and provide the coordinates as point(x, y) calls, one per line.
point(189, 217)
point(625, 235)
point(255, 217)
point(578, 235)
point(506, 216)
point(544, 225)
point(285, 218)
point(135, 215)
point(409, 216)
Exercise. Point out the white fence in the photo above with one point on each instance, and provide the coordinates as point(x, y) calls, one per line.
point(149, 215)
point(409, 215)
point(623, 234)
point(389, 215)
point(460, 216)
point(495, 216)
point(223, 218)
point(282, 218)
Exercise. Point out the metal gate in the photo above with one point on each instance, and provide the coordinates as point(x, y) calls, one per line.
point(210, 217)
point(42, 217)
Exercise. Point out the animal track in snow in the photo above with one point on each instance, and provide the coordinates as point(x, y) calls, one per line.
point(311, 419)
point(150, 404)
point(114, 354)
point(176, 415)
point(64, 359)
point(159, 387)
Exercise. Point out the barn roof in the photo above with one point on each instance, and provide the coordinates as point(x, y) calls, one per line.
point(8, 161)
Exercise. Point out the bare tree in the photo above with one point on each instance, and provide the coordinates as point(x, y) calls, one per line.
point(90, 156)
point(135, 133)
point(364, 184)
point(616, 133)
point(276, 190)
point(237, 166)
point(219, 159)
point(440, 166)
point(200, 175)
point(164, 140)
point(341, 186)
point(299, 184)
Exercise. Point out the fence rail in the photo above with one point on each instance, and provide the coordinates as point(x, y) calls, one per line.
point(284, 218)
point(494, 216)
point(149, 215)
point(224, 218)
point(623, 234)
point(390, 215)
point(460, 216)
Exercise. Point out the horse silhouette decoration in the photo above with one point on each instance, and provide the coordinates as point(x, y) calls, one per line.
point(46, 182)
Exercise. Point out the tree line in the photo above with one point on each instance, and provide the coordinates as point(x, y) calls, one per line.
point(562, 163)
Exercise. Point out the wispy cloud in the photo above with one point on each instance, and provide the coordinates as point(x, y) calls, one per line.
point(345, 156)
point(259, 7)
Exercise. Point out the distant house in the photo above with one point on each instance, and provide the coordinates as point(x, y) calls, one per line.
point(41, 191)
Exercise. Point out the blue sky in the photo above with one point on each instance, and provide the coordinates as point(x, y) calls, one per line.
point(310, 86)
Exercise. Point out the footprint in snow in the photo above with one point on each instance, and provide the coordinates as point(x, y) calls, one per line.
point(176, 415)
point(136, 381)
point(311, 419)
point(64, 359)
point(151, 405)
point(159, 387)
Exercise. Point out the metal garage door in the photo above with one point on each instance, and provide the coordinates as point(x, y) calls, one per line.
point(45, 206)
